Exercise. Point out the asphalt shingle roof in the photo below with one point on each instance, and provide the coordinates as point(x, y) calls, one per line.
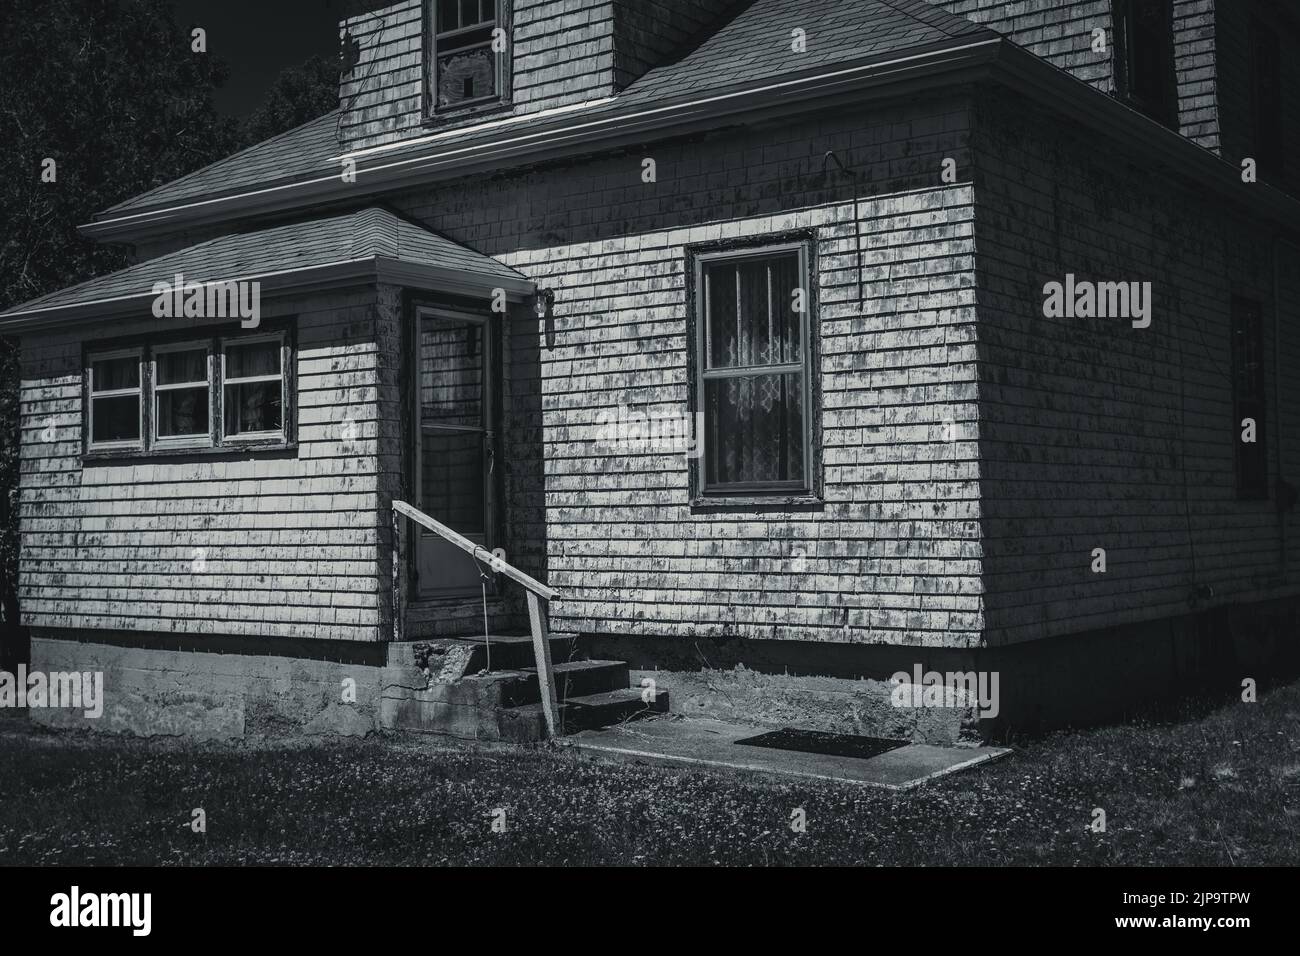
point(755, 45)
point(364, 234)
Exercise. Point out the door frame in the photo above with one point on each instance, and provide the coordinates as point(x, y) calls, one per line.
point(492, 374)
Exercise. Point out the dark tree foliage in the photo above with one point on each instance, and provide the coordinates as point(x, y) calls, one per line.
point(299, 94)
point(113, 93)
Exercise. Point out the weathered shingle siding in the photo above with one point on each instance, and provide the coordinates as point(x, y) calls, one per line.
point(894, 556)
point(1195, 59)
point(1094, 434)
point(290, 540)
point(561, 51)
point(381, 97)
point(1061, 32)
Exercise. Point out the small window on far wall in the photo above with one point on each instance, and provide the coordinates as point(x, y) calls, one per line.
point(1248, 399)
point(467, 72)
point(1144, 57)
point(182, 391)
point(753, 362)
point(115, 399)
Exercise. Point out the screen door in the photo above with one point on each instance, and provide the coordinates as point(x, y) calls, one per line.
point(456, 455)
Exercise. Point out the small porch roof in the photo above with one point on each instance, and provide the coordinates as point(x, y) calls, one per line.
point(371, 244)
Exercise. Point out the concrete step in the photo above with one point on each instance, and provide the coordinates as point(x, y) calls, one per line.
point(611, 707)
point(513, 651)
point(527, 723)
point(572, 679)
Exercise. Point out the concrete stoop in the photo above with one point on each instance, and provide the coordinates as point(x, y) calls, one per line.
point(447, 687)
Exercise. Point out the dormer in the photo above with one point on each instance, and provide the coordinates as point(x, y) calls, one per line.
point(1217, 71)
point(419, 66)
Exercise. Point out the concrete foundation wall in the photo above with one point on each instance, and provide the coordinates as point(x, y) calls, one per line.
point(205, 696)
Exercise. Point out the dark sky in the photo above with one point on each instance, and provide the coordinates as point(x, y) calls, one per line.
point(259, 38)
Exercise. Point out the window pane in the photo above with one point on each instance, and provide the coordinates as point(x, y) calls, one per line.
point(183, 411)
point(256, 358)
point(766, 330)
point(755, 429)
point(466, 75)
point(116, 419)
point(468, 12)
point(452, 466)
point(177, 367)
point(115, 373)
point(447, 15)
point(451, 374)
point(253, 407)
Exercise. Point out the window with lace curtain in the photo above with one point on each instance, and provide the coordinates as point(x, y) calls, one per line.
point(752, 360)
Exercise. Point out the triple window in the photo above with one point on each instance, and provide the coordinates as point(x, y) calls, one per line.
point(230, 391)
point(753, 359)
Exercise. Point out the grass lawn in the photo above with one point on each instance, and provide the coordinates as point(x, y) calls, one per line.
point(1222, 788)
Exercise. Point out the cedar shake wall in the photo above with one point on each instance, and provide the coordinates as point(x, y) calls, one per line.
point(1060, 31)
point(894, 555)
point(562, 52)
point(290, 539)
point(1096, 434)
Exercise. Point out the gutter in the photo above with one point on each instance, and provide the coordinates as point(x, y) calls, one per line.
point(347, 272)
point(1065, 95)
point(382, 169)
point(385, 169)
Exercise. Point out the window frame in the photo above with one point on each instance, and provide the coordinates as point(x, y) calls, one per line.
point(180, 441)
point(805, 491)
point(1124, 25)
point(216, 443)
point(501, 101)
point(104, 354)
point(279, 435)
point(1250, 312)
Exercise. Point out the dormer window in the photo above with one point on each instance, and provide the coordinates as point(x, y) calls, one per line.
point(1144, 58)
point(467, 72)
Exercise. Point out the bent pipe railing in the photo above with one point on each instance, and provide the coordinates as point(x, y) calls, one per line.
point(538, 594)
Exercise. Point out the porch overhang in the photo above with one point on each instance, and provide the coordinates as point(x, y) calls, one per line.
point(359, 248)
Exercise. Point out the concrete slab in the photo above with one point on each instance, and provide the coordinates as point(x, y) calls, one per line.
point(702, 742)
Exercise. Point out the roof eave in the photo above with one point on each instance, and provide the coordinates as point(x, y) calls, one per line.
point(568, 135)
point(1024, 72)
point(291, 282)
